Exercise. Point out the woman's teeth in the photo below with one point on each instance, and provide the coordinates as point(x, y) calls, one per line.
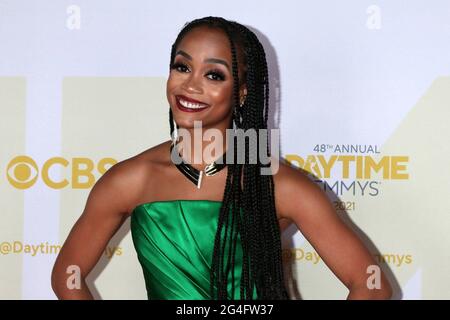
point(191, 105)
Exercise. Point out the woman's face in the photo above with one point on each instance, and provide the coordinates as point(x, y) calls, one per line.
point(202, 75)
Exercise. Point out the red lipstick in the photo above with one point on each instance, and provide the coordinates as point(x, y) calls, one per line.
point(186, 109)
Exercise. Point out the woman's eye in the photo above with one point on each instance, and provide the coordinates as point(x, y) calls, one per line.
point(177, 66)
point(217, 76)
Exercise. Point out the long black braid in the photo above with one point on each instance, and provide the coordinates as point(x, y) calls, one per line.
point(247, 211)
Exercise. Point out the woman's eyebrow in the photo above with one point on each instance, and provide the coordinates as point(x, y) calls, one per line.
point(213, 60)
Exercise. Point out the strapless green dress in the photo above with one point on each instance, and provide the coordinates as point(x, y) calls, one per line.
point(174, 241)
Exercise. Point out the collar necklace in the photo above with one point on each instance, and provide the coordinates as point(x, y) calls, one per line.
point(196, 175)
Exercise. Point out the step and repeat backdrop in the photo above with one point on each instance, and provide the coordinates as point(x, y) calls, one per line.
point(359, 89)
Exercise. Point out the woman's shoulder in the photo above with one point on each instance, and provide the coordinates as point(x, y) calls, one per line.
point(293, 188)
point(135, 174)
point(285, 174)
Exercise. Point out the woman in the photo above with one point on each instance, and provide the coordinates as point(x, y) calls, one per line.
point(203, 230)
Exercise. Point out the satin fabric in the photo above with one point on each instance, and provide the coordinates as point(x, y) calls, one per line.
point(174, 241)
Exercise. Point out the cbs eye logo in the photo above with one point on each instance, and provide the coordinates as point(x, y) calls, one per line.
point(22, 172)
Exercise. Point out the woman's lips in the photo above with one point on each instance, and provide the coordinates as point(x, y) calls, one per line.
point(186, 109)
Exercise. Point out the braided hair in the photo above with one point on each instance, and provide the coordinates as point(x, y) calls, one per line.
point(248, 211)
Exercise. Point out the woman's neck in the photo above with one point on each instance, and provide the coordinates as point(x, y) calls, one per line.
point(201, 146)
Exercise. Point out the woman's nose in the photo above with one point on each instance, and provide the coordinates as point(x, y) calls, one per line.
point(192, 84)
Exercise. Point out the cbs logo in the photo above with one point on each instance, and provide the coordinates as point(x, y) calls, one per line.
point(22, 172)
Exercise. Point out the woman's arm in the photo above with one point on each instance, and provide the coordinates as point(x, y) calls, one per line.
point(106, 209)
point(303, 202)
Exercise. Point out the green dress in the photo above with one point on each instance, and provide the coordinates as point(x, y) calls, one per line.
point(174, 241)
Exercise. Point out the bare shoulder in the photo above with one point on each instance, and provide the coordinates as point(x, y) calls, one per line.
point(295, 192)
point(300, 200)
point(124, 182)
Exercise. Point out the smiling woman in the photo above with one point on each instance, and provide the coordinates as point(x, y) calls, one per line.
point(201, 78)
point(220, 237)
point(209, 82)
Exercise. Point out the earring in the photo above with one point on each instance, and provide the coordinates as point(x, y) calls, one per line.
point(175, 136)
point(242, 102)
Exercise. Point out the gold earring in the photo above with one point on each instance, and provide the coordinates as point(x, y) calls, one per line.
point(242, 102)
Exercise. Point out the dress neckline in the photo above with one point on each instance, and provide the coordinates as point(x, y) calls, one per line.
point(173, 200)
